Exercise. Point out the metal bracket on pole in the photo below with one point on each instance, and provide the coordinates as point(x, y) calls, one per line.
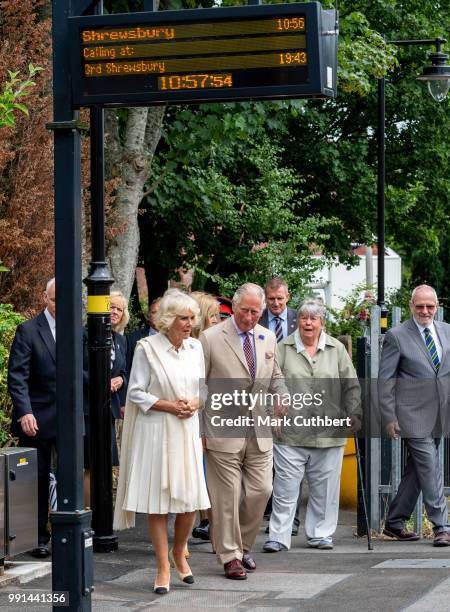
point(69, 126)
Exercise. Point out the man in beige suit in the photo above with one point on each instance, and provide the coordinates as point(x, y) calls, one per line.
point(239, 469)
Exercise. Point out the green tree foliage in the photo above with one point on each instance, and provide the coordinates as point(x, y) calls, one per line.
point(9, 320)
point(26, 153)
point(14, 90)
point(223, 202)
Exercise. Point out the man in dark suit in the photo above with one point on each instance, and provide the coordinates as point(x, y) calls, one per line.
point(32, 386)
point(277, 316)
point(282, 321)
point(413, 393)
point(133, 337)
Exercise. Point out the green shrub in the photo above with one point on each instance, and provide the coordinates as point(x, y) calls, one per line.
point(9, 320)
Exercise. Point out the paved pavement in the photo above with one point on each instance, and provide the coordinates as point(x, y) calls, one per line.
point(412, 577)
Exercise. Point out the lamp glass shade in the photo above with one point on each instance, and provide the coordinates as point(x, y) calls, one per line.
point(438, 88)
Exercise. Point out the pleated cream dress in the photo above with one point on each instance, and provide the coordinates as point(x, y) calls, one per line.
point(161, 468)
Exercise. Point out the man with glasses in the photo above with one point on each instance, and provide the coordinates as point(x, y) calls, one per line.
point(413, 391)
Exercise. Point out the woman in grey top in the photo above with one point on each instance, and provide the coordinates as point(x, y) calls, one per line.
point(325, 402)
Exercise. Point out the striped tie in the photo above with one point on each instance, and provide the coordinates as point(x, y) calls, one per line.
point(52, 493)
point(278, 329)
point(248, 352)
point(432, 349)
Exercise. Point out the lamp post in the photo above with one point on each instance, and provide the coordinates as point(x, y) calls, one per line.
point(438, 78)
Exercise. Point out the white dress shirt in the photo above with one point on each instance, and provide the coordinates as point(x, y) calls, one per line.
point(51, 323)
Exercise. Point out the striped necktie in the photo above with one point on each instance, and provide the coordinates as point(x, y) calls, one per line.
point(278, 329)
point(249, 357)
point(432, 349)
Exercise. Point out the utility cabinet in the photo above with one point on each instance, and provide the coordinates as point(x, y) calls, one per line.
point(18, 501)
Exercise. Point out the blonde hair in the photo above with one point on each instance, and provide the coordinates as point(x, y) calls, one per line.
point(125, 315)
point(208, 306)
point(174, 303)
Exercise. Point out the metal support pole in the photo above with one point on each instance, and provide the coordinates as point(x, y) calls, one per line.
point(381, 176)
point(380, 187)
point(396, 316)
point(71, 533)
point(369, 267)
point(396, 445)
point(98, 284)
point(374, 442)
point(363, 509)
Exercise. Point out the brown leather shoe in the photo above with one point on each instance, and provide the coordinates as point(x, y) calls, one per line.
point(403, 535)
point(248, 562)
point(235, 570)
point(442, 539)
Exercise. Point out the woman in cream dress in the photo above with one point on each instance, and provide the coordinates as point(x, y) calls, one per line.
point(161, 462)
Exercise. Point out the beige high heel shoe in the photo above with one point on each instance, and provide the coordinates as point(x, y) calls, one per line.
point(187, 578)
point(161, 589)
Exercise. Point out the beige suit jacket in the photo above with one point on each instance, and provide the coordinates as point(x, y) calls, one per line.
point(225, 360)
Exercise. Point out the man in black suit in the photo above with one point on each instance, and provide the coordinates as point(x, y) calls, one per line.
point(133, 337)
point(277, 316)
point(32, 386)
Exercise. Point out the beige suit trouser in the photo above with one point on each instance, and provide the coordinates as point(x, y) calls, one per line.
point(239, 485)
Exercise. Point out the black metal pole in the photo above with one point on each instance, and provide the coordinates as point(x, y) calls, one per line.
point(363, 505)
point(381, 176)
point(98, 284)
point(71, 532)
point(362, 492)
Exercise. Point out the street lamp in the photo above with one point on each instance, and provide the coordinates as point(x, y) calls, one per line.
point(438, 74)
point(438, 78)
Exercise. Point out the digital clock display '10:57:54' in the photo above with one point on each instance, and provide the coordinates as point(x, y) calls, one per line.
point(195, 81)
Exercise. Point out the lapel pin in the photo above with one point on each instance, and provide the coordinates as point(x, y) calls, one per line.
point(261, 337)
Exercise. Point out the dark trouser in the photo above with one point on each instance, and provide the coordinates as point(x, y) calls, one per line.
point(422, 473)
point(44, 454)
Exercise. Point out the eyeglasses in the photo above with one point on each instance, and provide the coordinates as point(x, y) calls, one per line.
point(424, 306)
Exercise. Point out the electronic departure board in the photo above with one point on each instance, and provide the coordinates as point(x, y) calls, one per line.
point(204, 55)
